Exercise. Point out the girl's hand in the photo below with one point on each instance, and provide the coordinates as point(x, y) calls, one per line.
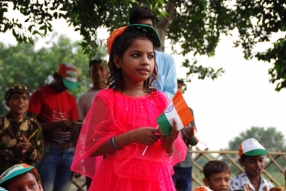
point(145, 135)
point(167, 142)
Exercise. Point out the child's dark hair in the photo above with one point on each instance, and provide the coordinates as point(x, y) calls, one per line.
point(94, 61)
point(243, 157)
point(141, 13)
point(215, 166)
point(119, 46)
point(32, 171)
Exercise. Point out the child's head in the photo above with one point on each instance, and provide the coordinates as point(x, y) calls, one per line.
point(180, 85)
point(98, 72)
point(17, 99)
point(217, 175)
point(21, 177)
point(66, 77)
point(142, 15)
point(132, 56)
point(251, 154)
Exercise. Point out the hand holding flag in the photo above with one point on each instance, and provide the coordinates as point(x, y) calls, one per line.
point(177, 110)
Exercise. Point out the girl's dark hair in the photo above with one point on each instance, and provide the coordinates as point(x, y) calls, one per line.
point(119, 46)
point(213, 167)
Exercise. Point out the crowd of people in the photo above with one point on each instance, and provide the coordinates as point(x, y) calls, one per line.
point(46, 138)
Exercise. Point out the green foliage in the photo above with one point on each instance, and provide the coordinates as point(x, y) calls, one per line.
point(22, 64)
point(204, 22)
point(270, 138)
point(256, 22)
point(196, 26)
point(278, 55)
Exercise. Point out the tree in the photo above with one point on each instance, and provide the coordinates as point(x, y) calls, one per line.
point(22, 64)
point(256, 22)
point(270, 138)
point(194, 25)
point(87, 16)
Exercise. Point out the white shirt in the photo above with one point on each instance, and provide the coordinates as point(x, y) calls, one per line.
point(84, 102)
point(241, 182)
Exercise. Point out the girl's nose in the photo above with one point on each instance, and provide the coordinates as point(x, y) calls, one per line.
point(145, 60)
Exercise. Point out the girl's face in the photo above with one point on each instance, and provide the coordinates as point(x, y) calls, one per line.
point(24, 182)
point(138, 61)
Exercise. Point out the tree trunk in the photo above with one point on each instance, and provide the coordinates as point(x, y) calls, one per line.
point(164, 23)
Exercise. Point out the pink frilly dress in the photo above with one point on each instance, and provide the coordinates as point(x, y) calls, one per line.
point(113, 113)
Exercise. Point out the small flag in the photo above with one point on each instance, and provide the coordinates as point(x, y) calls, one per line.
point(177, 110)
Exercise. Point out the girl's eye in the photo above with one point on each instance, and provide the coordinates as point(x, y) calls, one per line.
point(150, 56)
point(135, 55)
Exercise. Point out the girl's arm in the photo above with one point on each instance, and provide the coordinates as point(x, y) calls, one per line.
point(167, 142)
point(144, 135)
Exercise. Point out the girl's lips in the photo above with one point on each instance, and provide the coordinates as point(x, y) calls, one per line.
point(143, 71)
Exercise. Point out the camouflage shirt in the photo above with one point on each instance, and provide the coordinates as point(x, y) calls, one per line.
point(10, 133)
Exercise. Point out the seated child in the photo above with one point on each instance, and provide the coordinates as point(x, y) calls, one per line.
point(21, 177)
point(251, 154)
point(217, 175)
point(21, 138)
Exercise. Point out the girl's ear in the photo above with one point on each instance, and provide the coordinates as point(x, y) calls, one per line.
point(117, 61)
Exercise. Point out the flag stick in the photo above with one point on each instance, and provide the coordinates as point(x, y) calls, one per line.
point(143, 153)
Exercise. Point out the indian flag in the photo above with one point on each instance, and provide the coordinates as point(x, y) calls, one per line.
point(177, 110)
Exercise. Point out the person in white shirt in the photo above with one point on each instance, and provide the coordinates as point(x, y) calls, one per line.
point(98, 73)
point(251, 154)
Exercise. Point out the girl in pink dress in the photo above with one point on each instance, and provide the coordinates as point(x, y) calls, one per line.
point(122, 121)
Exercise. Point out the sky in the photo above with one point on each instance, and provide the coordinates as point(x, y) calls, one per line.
point(238, 100)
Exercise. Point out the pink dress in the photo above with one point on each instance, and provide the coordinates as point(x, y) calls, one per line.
point(114, 113)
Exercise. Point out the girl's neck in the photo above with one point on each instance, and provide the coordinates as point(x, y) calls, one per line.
point(135, 90)
point(134, 93)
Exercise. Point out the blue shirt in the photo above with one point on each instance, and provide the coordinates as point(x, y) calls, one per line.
point(167, 78)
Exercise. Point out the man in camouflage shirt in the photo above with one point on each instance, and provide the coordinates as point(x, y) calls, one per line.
point(21, 138)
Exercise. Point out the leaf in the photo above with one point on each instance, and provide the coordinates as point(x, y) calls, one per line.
point(30, 27)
